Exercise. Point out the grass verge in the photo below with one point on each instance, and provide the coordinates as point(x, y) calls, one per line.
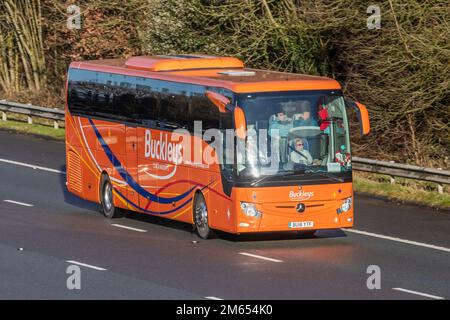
point(36, 129)
point(398, 192)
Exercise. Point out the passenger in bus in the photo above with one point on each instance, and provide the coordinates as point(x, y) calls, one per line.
point(324, 119)
point(279, 126)
point(299, 154)
point(304, 118)
point(280, 121)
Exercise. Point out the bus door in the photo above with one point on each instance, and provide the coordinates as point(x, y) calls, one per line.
point(147, 170)
point(132, 165)
point(174, 181)
point(110, 144)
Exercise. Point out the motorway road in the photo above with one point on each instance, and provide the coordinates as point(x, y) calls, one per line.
point(42, 227)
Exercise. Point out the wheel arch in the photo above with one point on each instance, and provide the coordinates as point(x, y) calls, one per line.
point(197, 191)
point(101, 180)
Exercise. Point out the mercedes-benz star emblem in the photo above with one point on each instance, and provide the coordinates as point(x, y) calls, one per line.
point(300, 207)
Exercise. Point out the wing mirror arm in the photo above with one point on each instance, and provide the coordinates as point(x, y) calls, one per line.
point(220, 101)
point(224, 105)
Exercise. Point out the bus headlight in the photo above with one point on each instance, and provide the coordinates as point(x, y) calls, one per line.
point(249, 209)
point(346, 205)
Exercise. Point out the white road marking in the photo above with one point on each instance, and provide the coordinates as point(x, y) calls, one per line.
point(415, 243)
point(259, 257)
point(86, 265)
point(419, 293)
point(22, 164)
point(213, 298)
point(19, 203)
point(128, 228)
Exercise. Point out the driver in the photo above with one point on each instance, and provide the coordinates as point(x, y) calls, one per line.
point(300, 154)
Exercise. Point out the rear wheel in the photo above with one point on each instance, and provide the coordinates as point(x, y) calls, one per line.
point(107, 201)
point(201, 217)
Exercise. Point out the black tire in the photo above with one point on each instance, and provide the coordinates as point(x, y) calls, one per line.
point(200, 213)
point(106, 199)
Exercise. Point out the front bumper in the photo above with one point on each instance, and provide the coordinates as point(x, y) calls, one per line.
point(284, 217)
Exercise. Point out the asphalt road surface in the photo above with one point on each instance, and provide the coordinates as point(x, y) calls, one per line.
point(44, 230)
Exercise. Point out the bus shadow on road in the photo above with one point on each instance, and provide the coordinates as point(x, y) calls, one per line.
point(281, 236)
point(249, 237)
point(72, 199)
point(159, 221)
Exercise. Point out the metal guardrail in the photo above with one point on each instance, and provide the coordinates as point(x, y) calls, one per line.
point(31, 111)
point(391, 169)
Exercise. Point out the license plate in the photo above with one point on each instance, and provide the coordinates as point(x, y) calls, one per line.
point(301, 224)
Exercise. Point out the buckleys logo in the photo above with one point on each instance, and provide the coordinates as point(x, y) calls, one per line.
point(300, 195)
point(162, 149)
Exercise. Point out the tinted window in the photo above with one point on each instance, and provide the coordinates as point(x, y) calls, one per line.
point(173, 110)
point(122, 103)
point(140, 100)
point(146, 106)
point(87, 96)
point(202, 109)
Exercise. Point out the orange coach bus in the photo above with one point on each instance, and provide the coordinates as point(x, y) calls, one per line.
point(203, 140)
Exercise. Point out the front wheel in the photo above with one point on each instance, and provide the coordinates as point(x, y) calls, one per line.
point(201, 217)
point(106, 198)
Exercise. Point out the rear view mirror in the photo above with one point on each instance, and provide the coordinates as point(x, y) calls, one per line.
point(220, 101)
point(363, 116)
point(240, 123)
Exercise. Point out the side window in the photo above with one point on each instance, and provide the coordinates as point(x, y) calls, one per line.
point(227, 164)
point(173, 111)
point(146, 107)
point(99, 106)
point(226, 120)
point(76, 99)
point(124, 104)
point(122, 99)
point(201, 109)
point(213, 115)
point(82, 91)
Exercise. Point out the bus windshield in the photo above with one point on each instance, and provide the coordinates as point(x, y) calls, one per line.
point(301, 133)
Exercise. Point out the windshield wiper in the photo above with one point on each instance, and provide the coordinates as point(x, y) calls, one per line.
point(297, 173)
point(326, 174)
point(283, 174)
point(290, 173)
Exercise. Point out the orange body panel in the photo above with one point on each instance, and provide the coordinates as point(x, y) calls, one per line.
point(161, 63)
point(278, 207)
point(158, 177)
point(147, 179)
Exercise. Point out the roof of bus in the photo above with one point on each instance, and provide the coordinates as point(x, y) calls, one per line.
point(225, 72)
